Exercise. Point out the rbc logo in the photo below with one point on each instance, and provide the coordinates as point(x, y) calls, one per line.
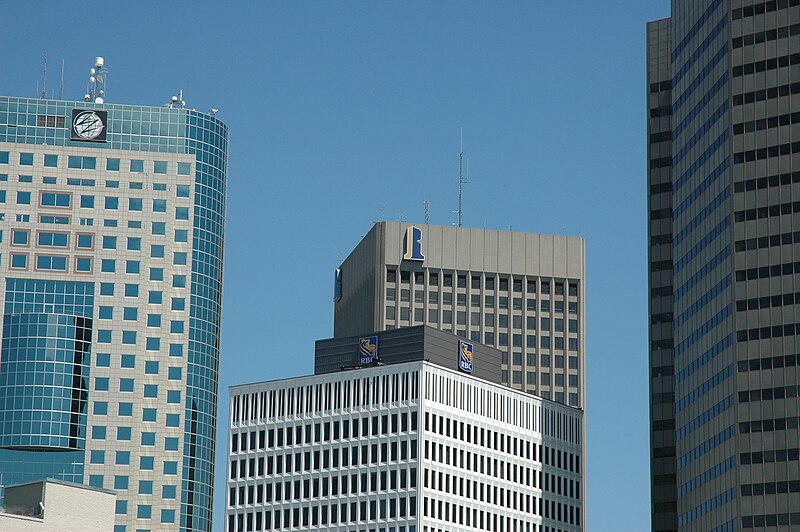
point(412, 244)
point(465, 356)
point(367, 350)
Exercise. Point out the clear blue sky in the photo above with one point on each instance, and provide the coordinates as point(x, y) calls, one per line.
point(343, 113)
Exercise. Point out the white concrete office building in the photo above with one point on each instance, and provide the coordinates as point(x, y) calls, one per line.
point(410, 447)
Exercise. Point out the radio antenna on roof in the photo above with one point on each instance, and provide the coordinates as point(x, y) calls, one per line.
point(44, 78)
point(96, 91)
point(462, 178)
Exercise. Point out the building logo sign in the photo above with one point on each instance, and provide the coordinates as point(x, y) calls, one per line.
point(465, 356)
point(337, 285)
point(88, 125)
point(412, 244)
point(367, 350)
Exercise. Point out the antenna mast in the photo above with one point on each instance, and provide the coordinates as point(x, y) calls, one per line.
point(44, 76)
point(461, 178)
point(426, 205)
point(61, 89)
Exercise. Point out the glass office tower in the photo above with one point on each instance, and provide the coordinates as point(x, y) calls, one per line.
point(724, 198)
point(111, 244)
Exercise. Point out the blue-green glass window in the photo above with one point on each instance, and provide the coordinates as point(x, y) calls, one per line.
point(87, 202)
point(104, 336)
point(151, 367)
point(137, 165)
point(149, 414)
point(48, 262)
point(126, 385)
point(159, 167)
point(153, 344)
point(176, 327)
point(179, 281)
point(159, 186)
point(159, 228)
point(154, 320)
point(120, 482)
point(20, 237)
point(156, 274)
point(98, 432)
point(83, 264)
point(181, 235)
point(108, 265)
point(101, 384)
point(124, 433)
point(151, 391)
point(2, 196)
point(182, 213)
point(100, 408)
point(168, 492)
point(148, 439)
point(134, 224)
point(50, 219)
point(49, 180)
point(126, 409)
point(178, 303)
point(112, 165)
point(112, 202)
point(96, 481)
point(176, 350)
point(59, 240)
point(106, 289)
point(145, 487)
point(179, 258)
point(130, 313)
point(134, 204)
point(51, 160)
point(134, 243)
point(159, 205)
point(26, 159)
point(173, 396)
point(182, 191)
point(54, 199)
point(184, 169)
point(122, 458)
point(112, 184)
point(110, 222)
point(103, 360)
point(173, 420)
point(146, 463)
point(170, 444)
point(144, 511)
point(168, 516)
point(129, 337)
point(86, 241)
point(174, 373)
point(26, 179)
point(157, 251)
point(97, 457)
point(121, 508)
point(23, 197)
point(3, 157)
point(136, 185)
point(170, 468)
point(128, 361)
point(132, 266)
point(82, 162)
point(154, 297)
point(131, 290)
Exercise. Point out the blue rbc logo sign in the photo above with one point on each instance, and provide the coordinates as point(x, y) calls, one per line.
point(367, 350)
point(412, 244)
point(465, 356)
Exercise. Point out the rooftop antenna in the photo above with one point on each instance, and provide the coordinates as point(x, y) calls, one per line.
point(462, 179)
point(426, 206)
point(96, 91)
point(177, 102)
point(61, 88)
point(44, 78)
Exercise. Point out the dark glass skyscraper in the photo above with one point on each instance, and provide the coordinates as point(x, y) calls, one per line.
point(724, 265)
point(112, 223)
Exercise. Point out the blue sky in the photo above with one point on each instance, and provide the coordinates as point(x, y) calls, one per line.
point(344, 113)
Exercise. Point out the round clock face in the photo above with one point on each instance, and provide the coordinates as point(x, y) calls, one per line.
point(88, 125)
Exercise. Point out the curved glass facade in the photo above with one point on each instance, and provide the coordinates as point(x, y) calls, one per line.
point(44, 372)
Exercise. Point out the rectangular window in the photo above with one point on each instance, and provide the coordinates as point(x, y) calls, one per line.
point(181, 235)
point(159, 205)
point(3, 157)
point(26, 159)
point(51, 262)
point(20, 237)
point(112, 165)
point(50, 199)
point(109, 242)
point(82, 162)
point(112, 203)
point(85, 241)
point(87, 202)
point(48, 239)
point(159, 228)
point(132, 266)
point(19, 261)
point(137, 165)
point(159, 167)
point(156, 274)
point(50, 160)
point(184, 169)
point(131, 290)
point(23, 197)
point(182, 191)
point(134, 243)
point(179, 258)
point(83, 264)
point(134, 204)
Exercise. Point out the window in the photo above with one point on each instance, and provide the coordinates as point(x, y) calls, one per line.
point(112, 203)
point(51, 199)
point(106, 313)
point(159, 167)
point(134, 243)
point(178, 303)
point(106, 289)
point(129, 337)
point(131, 290)
point(134, 204)
point(3, 157)
point(20, 237)
point(137, 165)
point(26, 159)
point(85, 241)
point(179, 258)
point(159, 228)
point(156, 274)
point(2, 196)
point(181, 235)
point(19, 261)
point(176, 327)
point(157, 251)
point(104, 360)
point(154, 297)
point(83, 264)
point(179, 281)
point(132, 266)
point(23, 197)
point(151, 367)
point(130, 313)
point(112, 165)
point(154, 320)
point(51, 262)
point(82, 162)
point(153, 344)
point(51, 160)
point(185, 169)
point(159, 205)
point(108, 265)
point(87, 202)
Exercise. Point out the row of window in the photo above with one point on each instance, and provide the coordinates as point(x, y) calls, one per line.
point(770, 456)
point(779, 361)
point(64, 200)
point(19, 261)
point(82, 162)
point(761, 183)
point(475, 300)
point(467, 516)
point(475, 282)
point(768, 425)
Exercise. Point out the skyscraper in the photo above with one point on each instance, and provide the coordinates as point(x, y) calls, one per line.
point(522, 293)
point(723, 265)
point(111, 242)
